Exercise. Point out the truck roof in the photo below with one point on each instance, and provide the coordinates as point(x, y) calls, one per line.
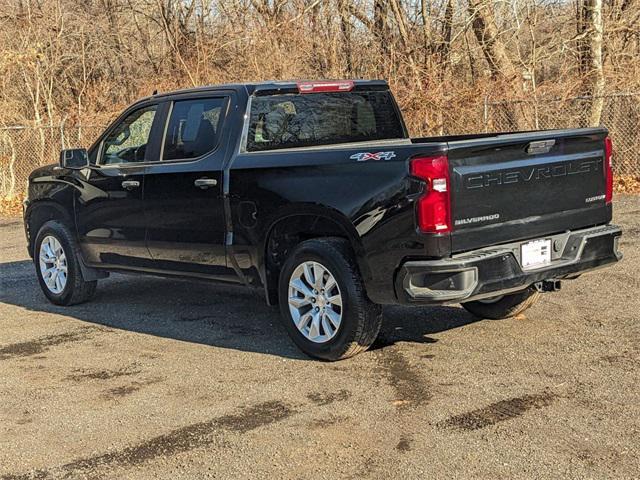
point(270, 86)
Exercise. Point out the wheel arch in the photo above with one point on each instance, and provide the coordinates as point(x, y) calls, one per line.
point(293, 227)
point(40, 212)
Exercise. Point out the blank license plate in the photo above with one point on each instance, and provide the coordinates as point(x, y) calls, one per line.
point(536, 253)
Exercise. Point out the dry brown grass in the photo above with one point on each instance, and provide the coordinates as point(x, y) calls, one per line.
point(10, 208)
point(627, 184)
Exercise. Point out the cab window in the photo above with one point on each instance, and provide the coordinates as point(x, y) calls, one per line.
point(127, 142)
point(295, 120)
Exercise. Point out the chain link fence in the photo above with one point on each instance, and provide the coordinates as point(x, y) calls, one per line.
point(621, 115)
point(24, 148)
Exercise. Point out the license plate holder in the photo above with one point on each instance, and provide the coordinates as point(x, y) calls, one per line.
point(535, 254)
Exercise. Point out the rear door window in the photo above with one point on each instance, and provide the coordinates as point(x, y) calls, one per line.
point(302, 120)
point(194, 128)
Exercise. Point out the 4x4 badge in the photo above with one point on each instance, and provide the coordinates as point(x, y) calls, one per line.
point(364, 156)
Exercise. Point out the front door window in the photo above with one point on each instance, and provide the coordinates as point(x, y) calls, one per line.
point(127, 143)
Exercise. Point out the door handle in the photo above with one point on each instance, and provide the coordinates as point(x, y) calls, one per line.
point(205, 183)
point(130, 184)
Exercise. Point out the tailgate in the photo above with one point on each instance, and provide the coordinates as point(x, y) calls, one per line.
point(518, 186)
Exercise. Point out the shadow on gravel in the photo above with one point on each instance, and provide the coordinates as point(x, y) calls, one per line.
point(199, 312)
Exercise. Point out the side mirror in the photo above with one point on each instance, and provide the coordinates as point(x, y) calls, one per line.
point(74, 158)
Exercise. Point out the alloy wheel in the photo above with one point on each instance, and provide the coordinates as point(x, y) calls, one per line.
point(315, 302)
point(53, 264)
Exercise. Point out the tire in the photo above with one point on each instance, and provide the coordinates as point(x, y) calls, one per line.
point(360, 319)
point(505, 306)
point(75, 289)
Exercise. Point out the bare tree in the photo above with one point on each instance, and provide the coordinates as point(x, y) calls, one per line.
point(86, 59)
point(592, 62)
point(495, 53)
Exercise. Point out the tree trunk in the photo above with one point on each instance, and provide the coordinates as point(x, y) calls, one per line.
point(345, 27)
point(381, 26)
point(495, 53)
point(319, 59)
point(404, 39)
point(486, 32)
point(595, 76)
point(445, 47)
point(582, 46)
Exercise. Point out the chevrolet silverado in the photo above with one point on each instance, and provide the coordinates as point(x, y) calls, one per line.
point(313, 194)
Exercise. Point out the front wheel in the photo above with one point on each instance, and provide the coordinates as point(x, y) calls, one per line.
point(504, 306)
point(58, 268)
point(324, 307)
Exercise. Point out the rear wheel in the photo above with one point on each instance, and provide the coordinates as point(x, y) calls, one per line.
point(56, 260)
point(323, 303)
point(504, 306)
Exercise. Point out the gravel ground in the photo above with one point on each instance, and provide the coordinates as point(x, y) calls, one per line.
point(166, 379)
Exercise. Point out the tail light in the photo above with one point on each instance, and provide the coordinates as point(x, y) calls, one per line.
point(608, 170)
point(434, 206)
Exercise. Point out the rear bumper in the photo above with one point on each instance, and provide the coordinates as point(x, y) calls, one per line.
point(497, 270)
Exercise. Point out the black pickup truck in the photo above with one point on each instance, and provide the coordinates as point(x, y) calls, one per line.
point(313, 194)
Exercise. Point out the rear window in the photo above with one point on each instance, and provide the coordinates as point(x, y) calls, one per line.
point(303, 120)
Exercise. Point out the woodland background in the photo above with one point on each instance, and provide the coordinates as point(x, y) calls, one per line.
point(454, 65)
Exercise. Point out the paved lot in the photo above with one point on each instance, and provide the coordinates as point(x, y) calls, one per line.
point(164, 379)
